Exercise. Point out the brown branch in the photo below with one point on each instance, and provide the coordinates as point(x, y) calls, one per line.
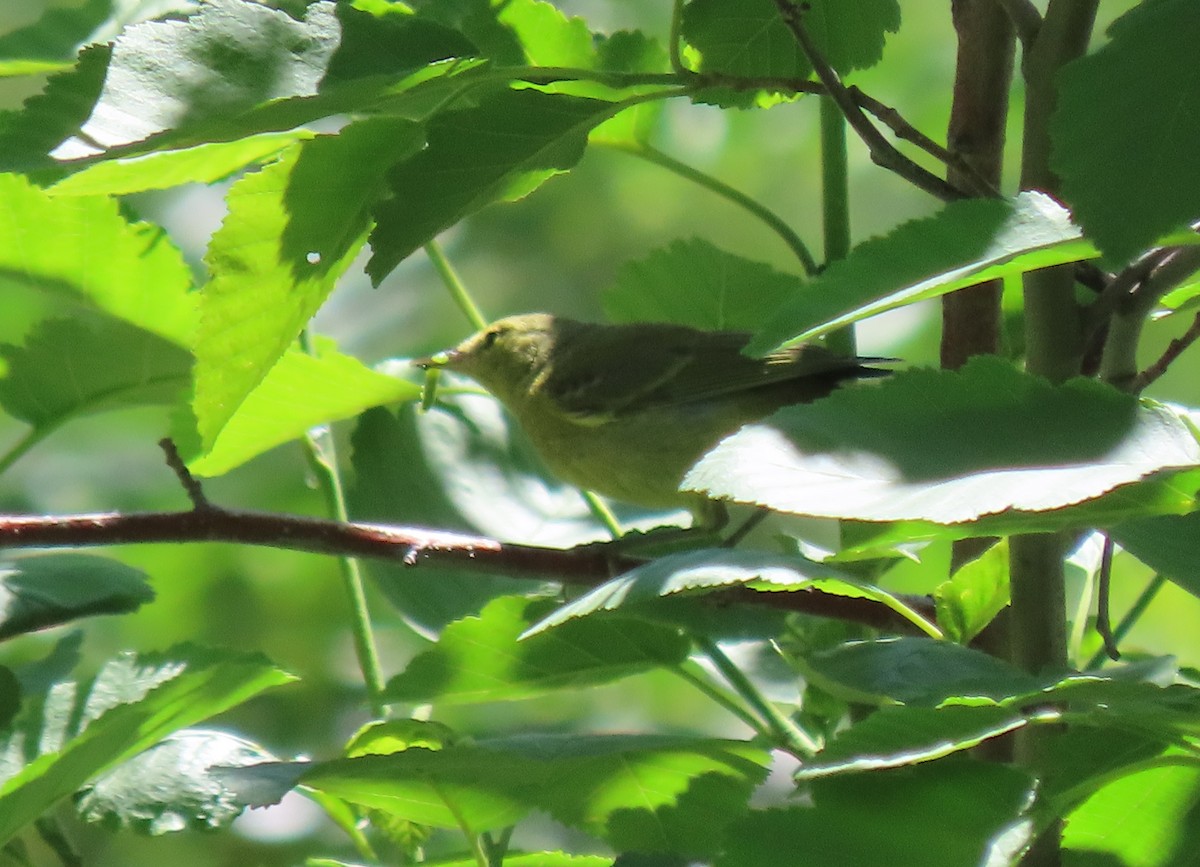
point(1174, 349)
point(882, 152)
point(585, 565)
point(1103, 618)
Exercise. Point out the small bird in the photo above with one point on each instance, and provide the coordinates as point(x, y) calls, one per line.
point(627, 410)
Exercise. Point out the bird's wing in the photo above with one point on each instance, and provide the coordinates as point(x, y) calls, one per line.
point(607, 373)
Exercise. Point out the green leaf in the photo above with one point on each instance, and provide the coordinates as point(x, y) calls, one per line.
point(694, 283)
point(298, 393)
point(648, 793)
point(52, 589)
point(500, 150)
point(128, 270)
point(1151, 818)
point(74, 367)
point(965, 243)
point(1010, 447)
point(389, 456)
point(920, 671)
point(1125, 127)
point(387, 40)
point(27, 137)
point(898, 736)
point(480, 659)
point(942, 814)
point(57, 33)
point(203, 164)
point(292, 230)
point(707, 570)
point(225, 59)
point(472, 788)
point(171, 786)
point(1169, 544)
point(533, 859)
point(132, 704)
point(748, 37)
point(548, 37)
point(972, 597)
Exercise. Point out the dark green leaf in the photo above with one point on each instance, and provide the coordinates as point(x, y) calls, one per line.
point(36, 592)
point(706, 570)
point(1125, 127)
point(694, 283)
point(389, 41)
point(480, 659)
point(57, 33)
point(1011, 447)
point(75, 367)
point(748, 37)
point(47, 119)
point(920, 671)
point(502, 149)
point(942, 814)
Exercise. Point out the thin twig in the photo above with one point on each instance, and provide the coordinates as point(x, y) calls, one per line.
point(1174, 349)
point(1103, 620)
point(882, 152)
point(190, 485)
point(905, 131)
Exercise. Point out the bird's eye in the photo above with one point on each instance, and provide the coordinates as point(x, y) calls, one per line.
point(489, 339)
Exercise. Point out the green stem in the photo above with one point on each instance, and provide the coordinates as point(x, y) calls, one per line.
point(787, 734)
point(32, 437)
point(602, 513)
point(766, 215)
point(688, 671)
point(458, 291)
point(835, 205)
point(675, 37)
point(322, 460)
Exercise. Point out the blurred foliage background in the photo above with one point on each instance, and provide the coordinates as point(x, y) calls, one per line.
point(556, 250)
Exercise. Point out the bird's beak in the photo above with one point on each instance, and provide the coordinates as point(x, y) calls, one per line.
point(436, 361)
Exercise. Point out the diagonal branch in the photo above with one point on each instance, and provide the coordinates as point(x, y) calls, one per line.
point(882, 152)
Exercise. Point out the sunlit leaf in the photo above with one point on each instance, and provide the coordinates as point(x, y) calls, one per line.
point(1007, 443)
point(965, 243)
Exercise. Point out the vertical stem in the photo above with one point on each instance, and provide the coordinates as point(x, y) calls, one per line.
point(322, 460)
point(457, 290)
point(835, 204)
point(1054, 347)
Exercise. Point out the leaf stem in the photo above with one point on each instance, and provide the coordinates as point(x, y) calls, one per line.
point(31, 438)
point(687, 672)
point(458, 291)
point(675, 37)
point(322, 460)
point(773, 220)
point(788, 735)
point(835, 206)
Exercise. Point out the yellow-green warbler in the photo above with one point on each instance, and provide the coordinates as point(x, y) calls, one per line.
point(627, 410)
